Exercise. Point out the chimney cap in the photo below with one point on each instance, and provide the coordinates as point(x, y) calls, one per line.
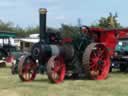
point(43, 10)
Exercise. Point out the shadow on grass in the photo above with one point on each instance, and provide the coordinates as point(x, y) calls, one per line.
point(35, 81)
point(116, 72)
point(41, 80)
point(76, 78)
point(38, 83)
point(119, 72)
point(5, 67)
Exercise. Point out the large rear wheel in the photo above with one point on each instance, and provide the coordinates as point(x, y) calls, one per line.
point(56, 69)
point(96, 61)
point(27, 68)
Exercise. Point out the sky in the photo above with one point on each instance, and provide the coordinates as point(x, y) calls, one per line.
point(25, 12)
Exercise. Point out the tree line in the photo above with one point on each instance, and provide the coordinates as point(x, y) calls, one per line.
point(66, 30)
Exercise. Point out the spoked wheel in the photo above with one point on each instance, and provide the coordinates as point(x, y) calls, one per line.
point(10, 59)
point(27, 68)
point(56, 69)
point(96, 61)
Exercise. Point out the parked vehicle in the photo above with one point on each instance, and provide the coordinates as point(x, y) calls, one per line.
point(6, 48)
point(120, 58)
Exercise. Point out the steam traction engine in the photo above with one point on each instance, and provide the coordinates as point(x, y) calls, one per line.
point(88, 55)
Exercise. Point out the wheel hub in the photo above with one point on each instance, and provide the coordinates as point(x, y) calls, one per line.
point(100, 62)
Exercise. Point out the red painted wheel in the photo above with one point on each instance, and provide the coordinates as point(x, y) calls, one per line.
point(10, 59)
point(96, 61)
point(27, 68)
point(56, 69)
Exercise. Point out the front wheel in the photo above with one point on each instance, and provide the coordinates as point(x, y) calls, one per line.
point(27, 68)
point(56, 69)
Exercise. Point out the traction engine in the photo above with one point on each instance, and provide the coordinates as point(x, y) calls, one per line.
point(87, 56)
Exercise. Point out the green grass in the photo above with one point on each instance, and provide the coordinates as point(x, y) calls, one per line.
point(115, 85)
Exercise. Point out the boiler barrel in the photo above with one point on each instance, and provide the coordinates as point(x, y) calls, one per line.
point(51, 50)
point(45, 51)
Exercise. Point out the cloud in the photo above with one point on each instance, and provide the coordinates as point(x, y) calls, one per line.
point(51, 1)
point(60, 18)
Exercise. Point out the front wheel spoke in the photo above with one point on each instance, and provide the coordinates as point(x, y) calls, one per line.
point(55, 75)
point(26, 76)
point(30, 75)
point(56, 69)
point(27, 67)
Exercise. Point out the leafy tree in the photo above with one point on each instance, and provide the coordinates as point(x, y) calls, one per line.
point(108, 22)
point(66, 30)
point(69, 31)
point(6, 26)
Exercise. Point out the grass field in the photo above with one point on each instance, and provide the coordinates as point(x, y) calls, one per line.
point(115, 85)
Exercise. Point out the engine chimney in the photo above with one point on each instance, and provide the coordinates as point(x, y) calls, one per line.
point(42, 13)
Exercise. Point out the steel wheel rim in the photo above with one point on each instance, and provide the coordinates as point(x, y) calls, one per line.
point(27, 70)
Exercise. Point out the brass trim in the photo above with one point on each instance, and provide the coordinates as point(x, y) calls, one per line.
point(43, 10)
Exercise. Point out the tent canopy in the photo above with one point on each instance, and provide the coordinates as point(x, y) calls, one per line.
point(7, 34)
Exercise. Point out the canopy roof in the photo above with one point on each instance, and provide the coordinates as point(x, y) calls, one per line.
point(7, 34)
